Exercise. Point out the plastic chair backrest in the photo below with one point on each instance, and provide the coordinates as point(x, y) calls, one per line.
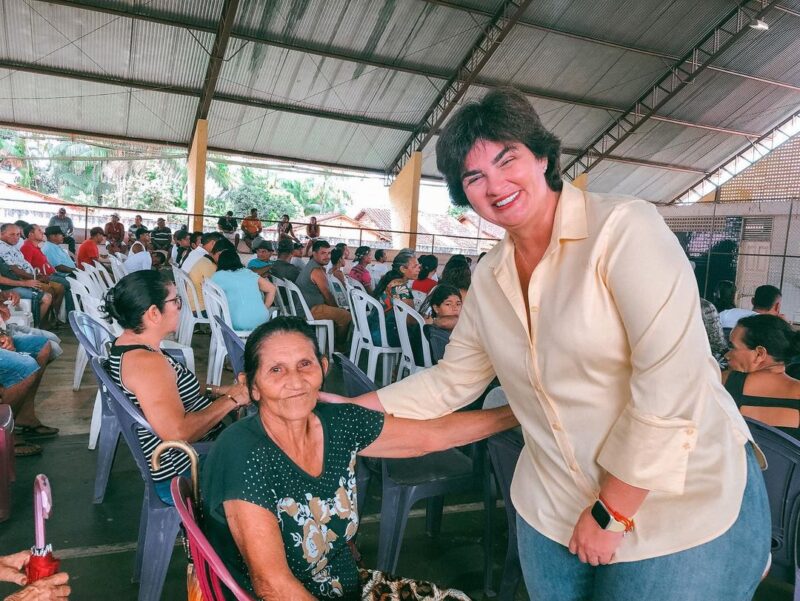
point(233, 344)
point(356, 284)
point(281, 295)
point(79, 291)
point(782, 478)
point(90, 332)
point(401, 314)
point(211, 572)
point(356, 381)
point(297, 300)
point(216, 302)
point(94, 307)
point(130, 418)
point(99, 278)
point(495, 398)
point(338, 290)
point(363, 306)
point(186, 289)
point(85, 278)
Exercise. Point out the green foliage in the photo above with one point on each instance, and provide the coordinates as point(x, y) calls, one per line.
point(317, 196)
point(271, 203)
point(455, 211)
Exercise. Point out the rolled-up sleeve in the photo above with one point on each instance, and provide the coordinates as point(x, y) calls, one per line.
point(457, 380)
point(656, 296)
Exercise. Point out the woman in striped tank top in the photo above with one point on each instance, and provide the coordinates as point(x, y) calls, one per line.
point(148, 307)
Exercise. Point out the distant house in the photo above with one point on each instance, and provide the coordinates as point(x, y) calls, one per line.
point(481, 227)
point(338, 227)
point(439, 232)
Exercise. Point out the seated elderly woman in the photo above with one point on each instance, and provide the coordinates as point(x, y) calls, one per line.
point(280, 486)
point(148, 307)
point(249, 295)
point(761, 345)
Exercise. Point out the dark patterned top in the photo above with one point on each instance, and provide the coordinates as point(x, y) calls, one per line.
point(316, 515)
point(172, 462)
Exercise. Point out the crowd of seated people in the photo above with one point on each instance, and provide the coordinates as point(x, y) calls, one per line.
point(360, 269)
point(766, 300)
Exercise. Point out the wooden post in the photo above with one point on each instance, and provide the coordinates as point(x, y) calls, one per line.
point(197, 173)
point(404, 201)
point(581, 181)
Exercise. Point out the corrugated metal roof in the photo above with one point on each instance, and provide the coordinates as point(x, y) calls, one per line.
point(419, 35)
point(281, 75)
point(97, 43)
point(419, 32)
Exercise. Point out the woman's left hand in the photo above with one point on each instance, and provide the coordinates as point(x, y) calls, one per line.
point(592, 544)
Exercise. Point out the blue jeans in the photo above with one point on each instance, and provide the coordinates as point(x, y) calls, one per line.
point(16, 366)
point(728, 568)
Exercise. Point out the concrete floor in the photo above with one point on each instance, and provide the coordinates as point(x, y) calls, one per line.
point(97, 542)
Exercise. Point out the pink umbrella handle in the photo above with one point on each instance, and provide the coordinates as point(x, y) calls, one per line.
point(42, 506)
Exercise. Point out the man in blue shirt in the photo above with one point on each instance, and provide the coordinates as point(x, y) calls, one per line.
point(57, 256)
point(261, 263)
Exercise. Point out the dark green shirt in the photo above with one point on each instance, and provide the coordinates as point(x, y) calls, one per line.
point(317, 516)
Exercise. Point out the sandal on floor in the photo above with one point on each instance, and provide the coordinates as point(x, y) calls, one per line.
point(26, 449)
point(40, 431)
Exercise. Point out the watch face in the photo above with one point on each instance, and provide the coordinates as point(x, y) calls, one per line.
point(600, 515)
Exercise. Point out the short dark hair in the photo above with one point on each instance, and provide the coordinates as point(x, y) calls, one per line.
point(53, 230)
point(279, 325)
point(133, 295)
point(21, 224)
point(379, 254)
point(437, 296)
point(457, 273)
point(771, 332)
point(26, 231)
point(195, 236)
point(765, 297)
point(221, 245)
point(503, 115)
point(428, 263)
point(336, 255)
point(141, 232)
point(319, 244)
point(210, 237)
point(229, 260)
point(266, 245)
point(285, 246)
point(341, 245)
point(96, 230)
point(181, 235)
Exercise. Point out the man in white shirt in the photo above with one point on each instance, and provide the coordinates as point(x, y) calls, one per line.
point(378, 268)
point(207, 242)
point(767, 299)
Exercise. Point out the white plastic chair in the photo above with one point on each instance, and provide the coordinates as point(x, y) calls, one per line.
point(100, 275)
point(117, 267)
point(339, 292)
point(408, 366)
point(79, 292)
point(282, 296)
point(324, 327)
point(89, 282)
point(217, 305)
point(355, 284)
point(363, 305)
point(189, 319)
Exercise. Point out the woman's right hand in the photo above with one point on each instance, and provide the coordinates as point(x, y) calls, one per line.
point(334, 399)
point(240, 393)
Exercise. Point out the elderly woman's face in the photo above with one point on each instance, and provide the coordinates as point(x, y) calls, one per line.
point(742, 358)
point(289, 377)
point(505, 184)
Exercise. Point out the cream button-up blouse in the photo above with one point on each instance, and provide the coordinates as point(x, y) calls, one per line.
point(615, 374)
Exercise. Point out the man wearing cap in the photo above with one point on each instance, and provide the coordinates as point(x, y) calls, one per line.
point(282, 266)
point(261, 262)
point(65, 223)
point(57, 256)
point(89, 250)
point(115, 234)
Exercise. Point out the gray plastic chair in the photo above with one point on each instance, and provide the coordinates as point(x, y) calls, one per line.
point(504, 451)
point(438, 339)
point(159, 522)
point(233, 344)
point(782, 478)
point(93, 336)
point(406, 481)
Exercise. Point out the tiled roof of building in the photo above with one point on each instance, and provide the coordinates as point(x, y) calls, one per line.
point(488, 229)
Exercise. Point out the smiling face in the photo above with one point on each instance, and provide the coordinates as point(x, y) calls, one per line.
point(288, 379)
point(505, 184)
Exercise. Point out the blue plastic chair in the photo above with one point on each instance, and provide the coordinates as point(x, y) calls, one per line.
point(782, 478)
point(93, 336)
point(406, 481)
point(234, 345)
point(159, 522)
point(438, 339)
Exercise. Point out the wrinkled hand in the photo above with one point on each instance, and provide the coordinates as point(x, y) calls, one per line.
point(592, 544)
point(51, 588)
point(11, 567)
point(239, 392)
point(32, 284)
point(335, 399)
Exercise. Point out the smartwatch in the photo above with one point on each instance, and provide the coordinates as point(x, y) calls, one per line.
point(605, 519)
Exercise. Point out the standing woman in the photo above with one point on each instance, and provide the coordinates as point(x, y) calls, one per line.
point(588, 313)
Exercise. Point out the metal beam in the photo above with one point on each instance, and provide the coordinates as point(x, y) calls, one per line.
point(742, 160)
point(321, 51)
point(185, 91)
point(618, 46)
point(640, 162)
point(714, 44)
point(493, 34)
point(72, 133)
point(217, 57)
